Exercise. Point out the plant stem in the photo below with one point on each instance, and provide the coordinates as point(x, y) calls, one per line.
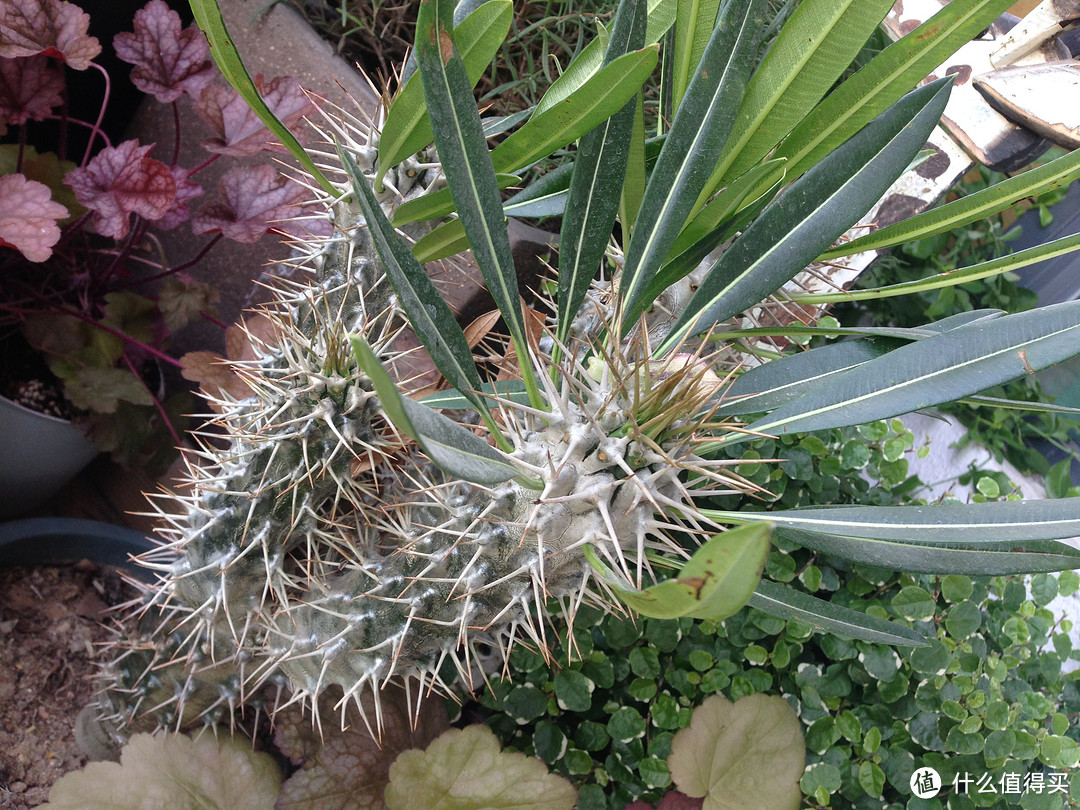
point(160, 355)
point(176, 134)
point(101, 114)
point(157, 402)
point(173, 270)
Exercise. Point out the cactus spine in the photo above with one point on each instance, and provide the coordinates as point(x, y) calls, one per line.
point(318, 547)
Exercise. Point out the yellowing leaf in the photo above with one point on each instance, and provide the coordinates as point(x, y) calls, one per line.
point(746, 755)
point(716, 582)
point(465, 770)
point(173, 772)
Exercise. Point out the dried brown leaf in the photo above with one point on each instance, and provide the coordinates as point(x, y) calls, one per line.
point(481, 327)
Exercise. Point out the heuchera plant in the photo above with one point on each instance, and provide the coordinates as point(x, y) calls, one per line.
point(83, 281)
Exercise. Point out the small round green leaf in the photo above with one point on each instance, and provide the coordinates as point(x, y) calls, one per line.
point(914, 602)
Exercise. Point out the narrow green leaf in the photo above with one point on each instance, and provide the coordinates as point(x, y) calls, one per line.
point(550, 205)
point(596, 184)
point(1055, 174)
point(452, 448)
point(694, 22)
point(208, 17)
point(812, 213)
point(688, 260)
point(715, 583)
point(446, 240)
point(407, 128)
point(504, 123)
point(955, 523)
point(886, 78)
point(938, 369)
point(798, 330)
point(786, 603)
point(547, 191)
point(467, 164)
point(661, 16)
point(761, 181)
point(437, 203)
point(633, 188)
point(512, 390)
point(427, 311)
point(976, 559)
point(950, 278)
point(1018, 405)
point(693, 143)
point(544, 198)
point(594, 102)
point(812, 50)
point(771, 384)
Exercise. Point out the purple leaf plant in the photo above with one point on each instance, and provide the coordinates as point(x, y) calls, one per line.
point(73, 235)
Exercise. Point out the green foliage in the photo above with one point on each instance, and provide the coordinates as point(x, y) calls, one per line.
point(604, 710)
point(359, 538)
point(987, 696)
point(1005, 431)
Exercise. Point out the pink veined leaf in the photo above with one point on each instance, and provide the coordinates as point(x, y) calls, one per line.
point(256, 198)
point(180, 211)
point(120, 181)
point(169, 61)
point(28, 217)
point(29, 88)
point(306, 221)
point(237, 130)
point(52, 27)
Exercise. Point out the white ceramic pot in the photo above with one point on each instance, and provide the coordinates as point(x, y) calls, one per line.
point(38, 455)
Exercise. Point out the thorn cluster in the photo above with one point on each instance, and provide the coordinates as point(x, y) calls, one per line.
point(317, 547)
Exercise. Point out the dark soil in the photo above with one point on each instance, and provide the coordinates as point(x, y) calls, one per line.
point(52, 623)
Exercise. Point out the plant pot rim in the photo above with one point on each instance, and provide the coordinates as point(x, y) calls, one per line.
point(23, 408)
point(58, 541)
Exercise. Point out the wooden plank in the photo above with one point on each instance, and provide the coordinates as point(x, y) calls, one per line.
point(1042, 98)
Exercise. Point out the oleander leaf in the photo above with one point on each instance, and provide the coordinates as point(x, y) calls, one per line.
point(596, 184)
point(407, 128)
point(694, 142)
point(940, 368)
point(887, 77)
point(787, 603)
point(467, 164)
point(956, 523)
point(983, 559)
point(427, 311)
point(812, 213)
point(452, 448)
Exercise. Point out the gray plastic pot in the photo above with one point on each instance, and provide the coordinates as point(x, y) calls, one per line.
point(56, 541)
point(38, 455)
